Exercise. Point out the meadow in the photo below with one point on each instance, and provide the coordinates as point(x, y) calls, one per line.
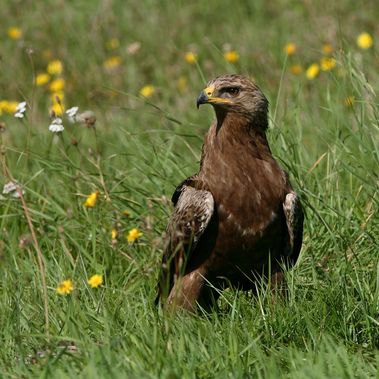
point(83, 209)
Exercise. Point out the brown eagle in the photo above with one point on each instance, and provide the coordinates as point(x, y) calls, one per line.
point(238, 218)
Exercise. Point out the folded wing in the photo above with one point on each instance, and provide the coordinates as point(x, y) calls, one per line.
point(193, 211)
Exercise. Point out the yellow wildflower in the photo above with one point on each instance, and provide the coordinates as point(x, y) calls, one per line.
point(95, 280)
point(57, 97)
point(113, 44)
point(57, 108)
point(147, 91)
point(114, 233)
point(231, 56)
point(349, 101)
point(190, 57)
point(327, 49)
point(290, 48)
point(8, 106)
point(14, 32)
point(42, 79)
point(364, 41)
point(327, 63)
point(65, 287)
point(91, 199)
point(296, 69)
point(126, 213)
point(57, 85)
point(312, 71)
point(133, 235)
point(55, 67)
point(112, 63)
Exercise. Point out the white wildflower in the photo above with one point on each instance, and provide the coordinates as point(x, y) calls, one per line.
point(72, 114)
point(20, 110)
point(21, 107)
point(10, 188)
point(72, 111)
point(56, 125)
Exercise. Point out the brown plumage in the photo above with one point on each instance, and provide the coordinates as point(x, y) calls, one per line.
point(238, 218)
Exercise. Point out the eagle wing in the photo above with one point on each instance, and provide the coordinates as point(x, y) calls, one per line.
point(294, 215)
point(191, 216)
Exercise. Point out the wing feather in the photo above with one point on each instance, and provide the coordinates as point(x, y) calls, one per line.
point(193, 211)
point(293, 212)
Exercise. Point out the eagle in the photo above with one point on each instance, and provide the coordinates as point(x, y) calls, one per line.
point(238, 219)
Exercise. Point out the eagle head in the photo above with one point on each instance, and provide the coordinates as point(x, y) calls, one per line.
point(236, 94)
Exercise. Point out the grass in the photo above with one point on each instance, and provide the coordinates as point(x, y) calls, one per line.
point(136, 154)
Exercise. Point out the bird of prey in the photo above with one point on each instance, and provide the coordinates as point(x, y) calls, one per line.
point(238, 218)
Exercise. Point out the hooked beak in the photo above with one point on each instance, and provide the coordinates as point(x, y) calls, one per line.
point(206, 97)
point(202, 99)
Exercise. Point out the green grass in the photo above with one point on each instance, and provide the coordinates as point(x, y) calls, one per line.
point(329, 325)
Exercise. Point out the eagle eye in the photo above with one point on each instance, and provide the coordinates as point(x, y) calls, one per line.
point(234, 91)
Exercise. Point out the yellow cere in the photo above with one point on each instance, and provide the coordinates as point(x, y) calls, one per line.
point(57, 85)
point(14, 33)
point(147, 91)
point(65, 287)
point(55, 67)
point(95, 280)
point(91, 200)
point(133, 235)
point(42, 79)
point(327, 63)
point(312, 71)
point(209, 91)
point(365, 41)
point(214, 99)
point(8, 106)
point(190, 57)
point(290, 48)
point(231, 56)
